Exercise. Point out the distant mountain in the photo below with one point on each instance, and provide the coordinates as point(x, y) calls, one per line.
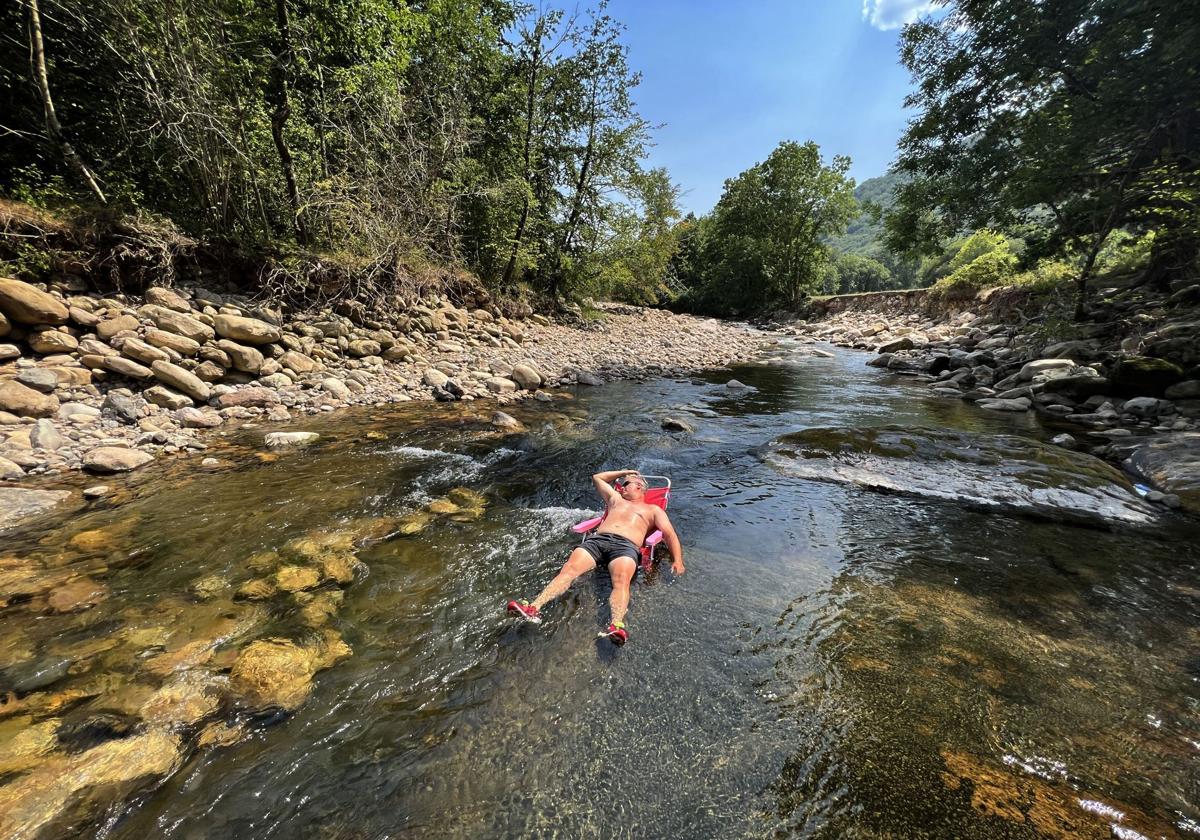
point(863, 235)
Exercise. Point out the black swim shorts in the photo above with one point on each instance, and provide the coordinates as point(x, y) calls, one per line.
point(604, 548)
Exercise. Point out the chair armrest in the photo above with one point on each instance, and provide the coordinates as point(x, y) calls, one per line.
point(654, 539)
point(584, 527)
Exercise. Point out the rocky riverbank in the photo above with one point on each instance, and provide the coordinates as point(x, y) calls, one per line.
point(1124, 385)
point(106, 383)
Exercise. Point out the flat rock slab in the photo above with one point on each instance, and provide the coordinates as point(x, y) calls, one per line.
point(989, 472)
point(1172, 464)
point(18, 504)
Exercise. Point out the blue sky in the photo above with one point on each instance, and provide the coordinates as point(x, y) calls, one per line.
point(732, 79)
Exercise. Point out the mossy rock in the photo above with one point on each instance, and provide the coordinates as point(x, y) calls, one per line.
point(1138, 376)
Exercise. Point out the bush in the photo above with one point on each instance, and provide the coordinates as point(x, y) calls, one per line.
point(1046, 276)
point(994, 268)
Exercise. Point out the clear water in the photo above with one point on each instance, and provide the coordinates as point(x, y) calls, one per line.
point(836, 662)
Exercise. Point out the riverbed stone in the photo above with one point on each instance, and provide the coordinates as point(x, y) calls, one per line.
point(500, 385)
point(39, 379)
point(336, 388)
point(143, 352)
point(124, 406)
point(1006, 404)
point(24, 401)
point(197, 418)
point(278, 673)
point(115, 459)
point(76, 595)
point(1170, 462)
point(298, 362)
point(1144, 376)
point(9, 352)
point(283, 440)
point(181, 380)
point(1189, 390)
point(9, 470)
point(249, 397)
point(48, 342)
point(434, 378)
point(169, 298)
point(675, 424)
point(44, 435)
point(109, 327)
point(23, 303)
point(126, 367)
point(246, 330)
point(178, 323)
point(526, 376)
point(181, 344)
point(68, 790)
point(166, 398)
point(243, 357)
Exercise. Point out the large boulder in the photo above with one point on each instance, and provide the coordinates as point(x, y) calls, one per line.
point(500, 385)
point(115, 459)
point(5, 325)
point(26, 304)
point(246, 330)
point(181, 380)
point(22, 401)
point(1006, 473)
point(1136, 376)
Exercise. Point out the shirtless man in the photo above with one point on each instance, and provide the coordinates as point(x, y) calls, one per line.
point(615, 544)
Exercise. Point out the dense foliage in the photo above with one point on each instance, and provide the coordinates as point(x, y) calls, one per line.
point(478, 132)
point(766, 242)
point(1067, 121)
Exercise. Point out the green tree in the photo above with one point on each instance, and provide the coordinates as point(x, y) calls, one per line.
point(767, 245)
point(1082, 116)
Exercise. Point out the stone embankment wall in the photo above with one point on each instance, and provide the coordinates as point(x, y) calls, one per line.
point(1124, 385)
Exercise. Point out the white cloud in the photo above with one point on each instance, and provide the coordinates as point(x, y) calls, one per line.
point(892, 14)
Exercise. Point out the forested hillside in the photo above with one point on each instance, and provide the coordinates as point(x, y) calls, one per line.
point(376, 135)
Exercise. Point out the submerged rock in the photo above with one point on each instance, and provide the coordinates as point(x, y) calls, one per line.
point(1000, 472)
point(282, 440)
point(68, 790)
point(18, 504)
point(278, 673)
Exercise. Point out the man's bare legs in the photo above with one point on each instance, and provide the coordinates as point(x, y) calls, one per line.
point(578, 563)
point(622, 570)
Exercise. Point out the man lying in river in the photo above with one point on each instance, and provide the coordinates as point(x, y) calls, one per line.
point(615, 545)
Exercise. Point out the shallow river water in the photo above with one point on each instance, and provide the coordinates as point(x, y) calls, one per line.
point(837, 662)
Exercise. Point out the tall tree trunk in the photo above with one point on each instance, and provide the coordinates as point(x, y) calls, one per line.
point(279, 118)
point(564, 241)
point(53, 127)
point(530, 104)
point(1085, 275)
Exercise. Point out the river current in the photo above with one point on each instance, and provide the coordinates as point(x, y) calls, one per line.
point(837, 662)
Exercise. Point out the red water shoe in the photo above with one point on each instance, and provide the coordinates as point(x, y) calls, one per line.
point(526, 611)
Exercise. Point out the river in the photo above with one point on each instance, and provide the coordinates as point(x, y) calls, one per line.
point(837, 662)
